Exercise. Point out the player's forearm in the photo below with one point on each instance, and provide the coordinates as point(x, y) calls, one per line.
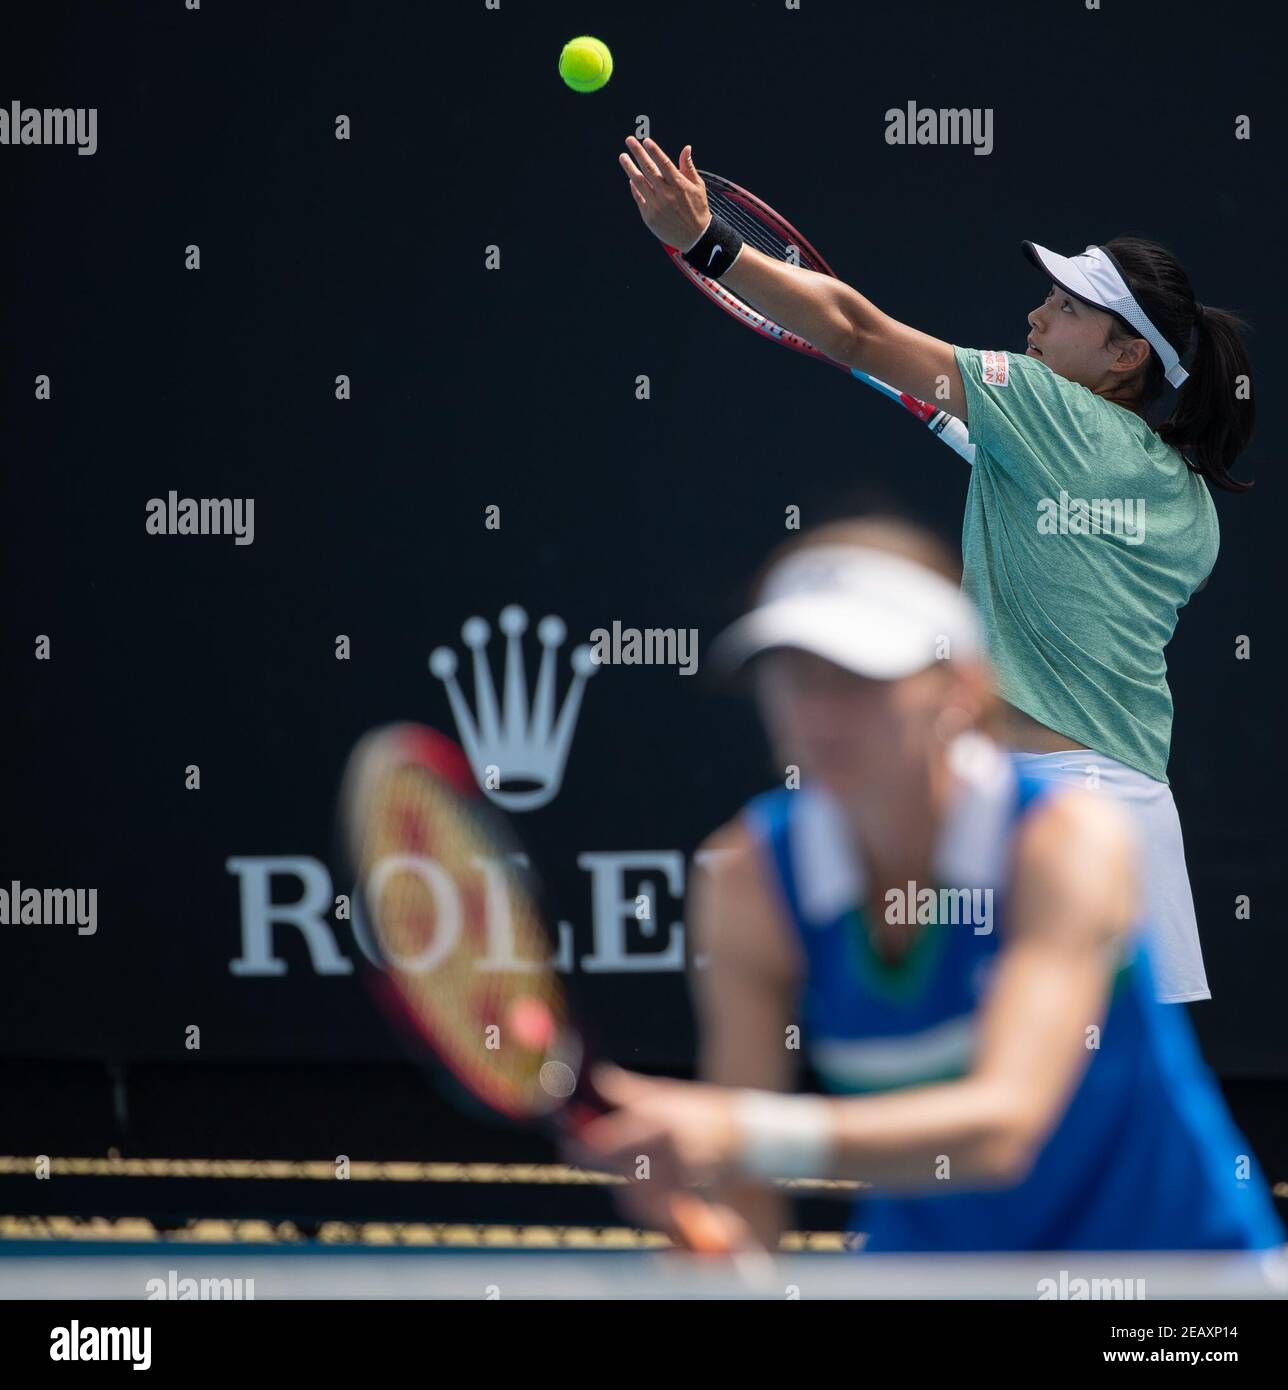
point(964, 1132)
point(830, 314)
point(931, 1135)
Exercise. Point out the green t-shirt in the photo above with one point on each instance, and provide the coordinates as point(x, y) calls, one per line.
point(1084, 535)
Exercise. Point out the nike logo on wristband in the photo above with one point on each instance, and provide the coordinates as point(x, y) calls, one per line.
point(714, 253)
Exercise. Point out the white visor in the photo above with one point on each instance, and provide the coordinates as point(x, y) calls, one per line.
point(1094, 278)
point(870, 612)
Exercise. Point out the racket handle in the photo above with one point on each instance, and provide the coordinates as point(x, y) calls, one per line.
point(700, 1227)
point(954, 433)
point(948, 427)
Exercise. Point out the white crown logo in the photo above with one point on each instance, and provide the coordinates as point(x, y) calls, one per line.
point(529, 748)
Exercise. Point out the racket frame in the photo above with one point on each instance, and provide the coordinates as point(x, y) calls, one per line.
point(947, 427)
point(697, 1227)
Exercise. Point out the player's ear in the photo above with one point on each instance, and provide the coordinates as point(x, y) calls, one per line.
point(1132, 353)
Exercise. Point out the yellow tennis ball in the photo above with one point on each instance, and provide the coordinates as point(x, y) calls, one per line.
point(585, 64)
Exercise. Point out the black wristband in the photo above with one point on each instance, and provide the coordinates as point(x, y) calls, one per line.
point(715, 250)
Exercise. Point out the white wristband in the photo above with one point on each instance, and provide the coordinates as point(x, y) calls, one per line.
point(784, 1136)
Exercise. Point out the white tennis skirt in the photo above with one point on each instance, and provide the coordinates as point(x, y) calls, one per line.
point(1168, 902)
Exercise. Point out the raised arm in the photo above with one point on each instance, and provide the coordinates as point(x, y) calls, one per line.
point(832, 315)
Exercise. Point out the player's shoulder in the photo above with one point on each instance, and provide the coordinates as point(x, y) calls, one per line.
point(737, 906)
point(1004, 370)
point(1074, 821)
point(1082, 810)
point(743, 847)
point(731, 853)
point(1081, 846)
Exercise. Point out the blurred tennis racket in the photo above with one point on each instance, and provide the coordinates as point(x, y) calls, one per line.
point(465, 954)
point(760, 226)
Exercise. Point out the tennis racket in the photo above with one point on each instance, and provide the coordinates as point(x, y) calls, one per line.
point(760, 226)
point(465, 956)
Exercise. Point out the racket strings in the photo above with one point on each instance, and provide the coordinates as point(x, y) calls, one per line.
point(454, 1001)
point(752, 231)
point(767, 234)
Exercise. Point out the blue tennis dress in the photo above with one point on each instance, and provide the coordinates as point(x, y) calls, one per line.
point(1146, 1156)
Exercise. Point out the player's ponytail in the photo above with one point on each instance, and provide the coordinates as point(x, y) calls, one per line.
point(1213, 416)
point(1211, 424)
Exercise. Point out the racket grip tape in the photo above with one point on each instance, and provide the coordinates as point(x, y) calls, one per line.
point(955, 434)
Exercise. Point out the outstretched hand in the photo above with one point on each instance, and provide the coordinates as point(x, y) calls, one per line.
point(686, 1129)
point(672, 199)
point(688, 1134)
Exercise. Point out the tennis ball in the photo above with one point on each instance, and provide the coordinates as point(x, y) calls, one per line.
point(585, 64)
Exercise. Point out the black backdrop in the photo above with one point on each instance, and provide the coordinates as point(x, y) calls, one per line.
point(517, 387)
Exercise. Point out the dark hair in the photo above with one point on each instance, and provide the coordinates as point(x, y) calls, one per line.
point(1211, 423)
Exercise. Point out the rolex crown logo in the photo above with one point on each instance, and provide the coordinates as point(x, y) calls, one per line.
point(518, 751)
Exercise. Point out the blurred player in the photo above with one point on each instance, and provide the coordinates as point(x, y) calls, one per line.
point(958, 942)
